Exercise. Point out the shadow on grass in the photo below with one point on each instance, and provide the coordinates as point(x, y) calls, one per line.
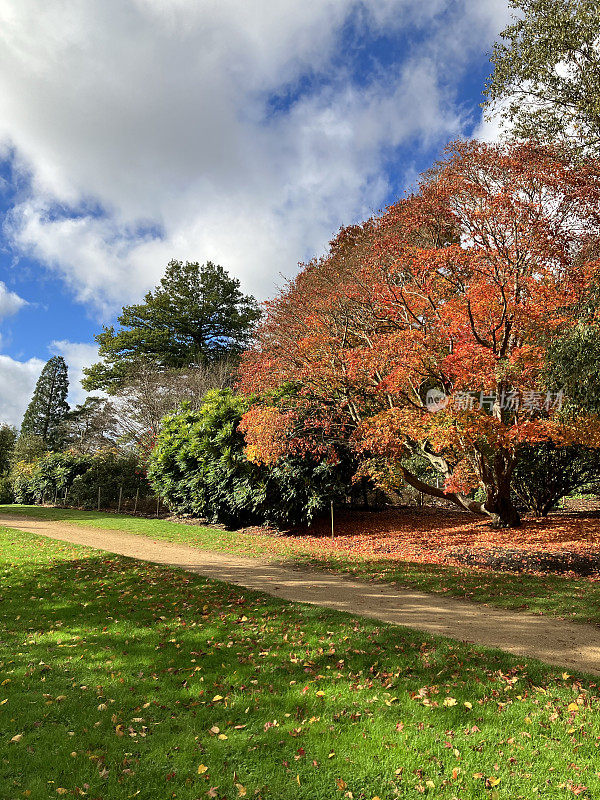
point(125, 677)
point(576, 599)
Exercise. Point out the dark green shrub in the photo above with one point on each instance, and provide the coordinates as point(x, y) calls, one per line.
point(21, 477)
point(46, 477)
point(7, 494)
point(54, 474)
point(545, 474)
point(113, 473)
point(198, 466)
point(80, 476)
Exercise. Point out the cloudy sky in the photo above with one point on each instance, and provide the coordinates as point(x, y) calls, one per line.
point(241, 131)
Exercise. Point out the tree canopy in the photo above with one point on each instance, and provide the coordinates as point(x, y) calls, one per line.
point(547, 72)
point(197, 314)
point(453, 294)
point(48, 408)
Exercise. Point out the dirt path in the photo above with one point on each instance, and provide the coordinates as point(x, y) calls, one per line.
point(573, 646)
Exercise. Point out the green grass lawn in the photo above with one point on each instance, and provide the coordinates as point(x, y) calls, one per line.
point(120, 679)
point(574, 599)
point(208, 537)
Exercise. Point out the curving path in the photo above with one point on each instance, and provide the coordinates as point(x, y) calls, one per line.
point(569, 645)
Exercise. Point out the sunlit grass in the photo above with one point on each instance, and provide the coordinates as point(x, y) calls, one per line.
point(576, 599)
point(120, 679)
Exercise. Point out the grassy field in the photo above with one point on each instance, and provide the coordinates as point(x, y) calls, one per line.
point(576, 599)
point(120, 679)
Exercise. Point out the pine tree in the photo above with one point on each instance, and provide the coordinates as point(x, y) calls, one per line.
point(196, 315)
point(48, 408)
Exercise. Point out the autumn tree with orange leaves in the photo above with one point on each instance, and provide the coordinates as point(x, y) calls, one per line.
point(453, 294)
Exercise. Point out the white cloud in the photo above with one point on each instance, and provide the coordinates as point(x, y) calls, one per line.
point(10, 302)
point(145, 130)
point(17, 382)
point(493, 125)
point(489, 129)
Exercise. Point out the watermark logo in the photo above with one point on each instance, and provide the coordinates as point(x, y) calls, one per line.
point(436, 400)
point(527, 402)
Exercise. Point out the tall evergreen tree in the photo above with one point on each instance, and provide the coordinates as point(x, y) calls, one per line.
point(197, 314)
point(48, 408)
point(8, 437)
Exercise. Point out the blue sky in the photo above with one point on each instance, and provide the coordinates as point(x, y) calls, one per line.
point(245, 132)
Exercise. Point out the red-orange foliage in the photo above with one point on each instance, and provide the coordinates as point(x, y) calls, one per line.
point(435, 536)
point(459, 287)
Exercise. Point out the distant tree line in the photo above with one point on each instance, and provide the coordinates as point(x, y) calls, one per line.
point(182, 341)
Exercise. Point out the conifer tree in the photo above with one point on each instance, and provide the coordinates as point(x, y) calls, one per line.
point(48, 408)
point(197, 315)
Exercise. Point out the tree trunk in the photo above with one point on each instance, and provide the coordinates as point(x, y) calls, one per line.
point(365, 493)
point(502, 511)
point(498, 506)
point(549, 506)
point(497, 477)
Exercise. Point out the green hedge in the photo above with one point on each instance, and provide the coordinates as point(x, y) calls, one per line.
point(199, 468)
point(111, 472)
point(80, 475)
point(7, 494)
point(22, 481)
point(55, 472)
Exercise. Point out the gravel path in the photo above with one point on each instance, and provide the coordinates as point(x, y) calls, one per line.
point(569, 645)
